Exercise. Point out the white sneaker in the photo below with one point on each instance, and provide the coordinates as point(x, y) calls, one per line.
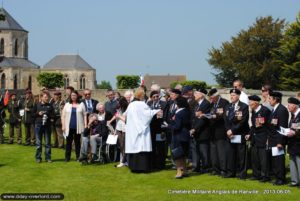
point(120, 165)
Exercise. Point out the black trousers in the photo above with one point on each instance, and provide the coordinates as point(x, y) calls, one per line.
point(200, 154)
point(218, 155)
point(236, 160)
point(73, 136)
point(260, 161)
point(278, 167)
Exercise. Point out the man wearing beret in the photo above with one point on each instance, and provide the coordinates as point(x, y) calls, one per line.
point(57, 105)
point(218, 133)
point(279, 118)
point(14, 119)
point(258, 134)
point(236, 124)
point(294, 141)
point(200, 132)
point(157, 135)
point(26, 112)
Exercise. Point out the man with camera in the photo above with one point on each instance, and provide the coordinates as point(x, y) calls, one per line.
point(44, 113)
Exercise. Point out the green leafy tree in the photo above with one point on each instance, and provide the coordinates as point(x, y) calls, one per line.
point(288, 57)
point(104, 85)
point(127, 81)
point(193, 83)
point(50, 80)
point(248, 56)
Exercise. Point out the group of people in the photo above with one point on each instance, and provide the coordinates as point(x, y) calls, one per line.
point(200, 129)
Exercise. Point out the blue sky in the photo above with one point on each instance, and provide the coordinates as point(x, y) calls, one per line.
point(140, 36)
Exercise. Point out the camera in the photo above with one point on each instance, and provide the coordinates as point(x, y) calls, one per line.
point(44, 119)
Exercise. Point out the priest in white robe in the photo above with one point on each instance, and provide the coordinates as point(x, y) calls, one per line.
point(138, 145)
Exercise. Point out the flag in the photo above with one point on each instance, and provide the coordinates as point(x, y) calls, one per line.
point(6, 98)
point(141, 80)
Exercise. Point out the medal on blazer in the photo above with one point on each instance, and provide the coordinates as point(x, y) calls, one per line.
point(295, 126)
point(239, 115)
point(274, 121)
point(259, 121)
point(220, 111)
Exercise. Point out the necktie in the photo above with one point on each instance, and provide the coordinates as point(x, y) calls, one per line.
point(89, 106)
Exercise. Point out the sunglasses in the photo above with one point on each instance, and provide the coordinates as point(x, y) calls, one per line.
point(87, 94)
point(155, 96)
point(264, 90)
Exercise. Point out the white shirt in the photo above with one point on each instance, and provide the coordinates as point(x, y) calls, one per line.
point(275, 107)
point(257, 109)
point(244, 98)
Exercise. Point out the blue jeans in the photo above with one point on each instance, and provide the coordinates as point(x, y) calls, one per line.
point(41, 130)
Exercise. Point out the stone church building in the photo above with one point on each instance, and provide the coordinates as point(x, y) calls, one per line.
point(18, 72)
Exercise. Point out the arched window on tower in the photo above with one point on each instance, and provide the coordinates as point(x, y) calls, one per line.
point(3, 81)
point(82, 82)
point(30, 82)
point(26, 48)
point(2, 46)
point(16, 47)
point(15, 81)
point(66, 81)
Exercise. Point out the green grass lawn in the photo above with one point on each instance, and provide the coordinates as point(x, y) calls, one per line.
point(19, 173)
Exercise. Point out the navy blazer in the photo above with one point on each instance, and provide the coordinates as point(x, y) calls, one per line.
point(94, 105)
point(294, 142)
point(236, 125)
point(279, 117)
point(201, 125)
point(181, 126)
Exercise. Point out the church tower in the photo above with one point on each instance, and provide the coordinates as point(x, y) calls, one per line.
point(16, 71)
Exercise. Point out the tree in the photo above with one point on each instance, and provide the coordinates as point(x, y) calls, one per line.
point(127, 81)
point(248, 56)
point(50, 80)
point(104, 85)
point(288, 57)
point(193, 83)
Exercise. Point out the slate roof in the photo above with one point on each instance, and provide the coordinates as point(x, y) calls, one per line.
point(7, 22)
point(68, 62)
point(17, 62)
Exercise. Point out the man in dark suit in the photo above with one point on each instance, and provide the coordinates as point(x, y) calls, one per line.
point(294, 141)
point(218, 133)
point(236, 124)
point(258, 134)
point(279, 118)
point(89, 103)
point(200, 132)
point(158, 137)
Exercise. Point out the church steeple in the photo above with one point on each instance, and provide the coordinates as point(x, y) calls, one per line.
point(13, 37)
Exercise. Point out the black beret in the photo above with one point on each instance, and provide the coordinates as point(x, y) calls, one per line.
point(57, 93)
point(236, 91)
point(254, 98)
point(186, 89)
point(293, 100)
point(175, 91)
point(204, 91)
point(275, 94)
point(213, 92)
point(153, 93)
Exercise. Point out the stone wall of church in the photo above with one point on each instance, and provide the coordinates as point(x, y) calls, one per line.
point(22, 76)
point(9, 43)
point(74, 77)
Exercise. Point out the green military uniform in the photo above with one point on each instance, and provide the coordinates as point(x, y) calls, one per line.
point(57, 127)
point(14, 121)
point(28, 120)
